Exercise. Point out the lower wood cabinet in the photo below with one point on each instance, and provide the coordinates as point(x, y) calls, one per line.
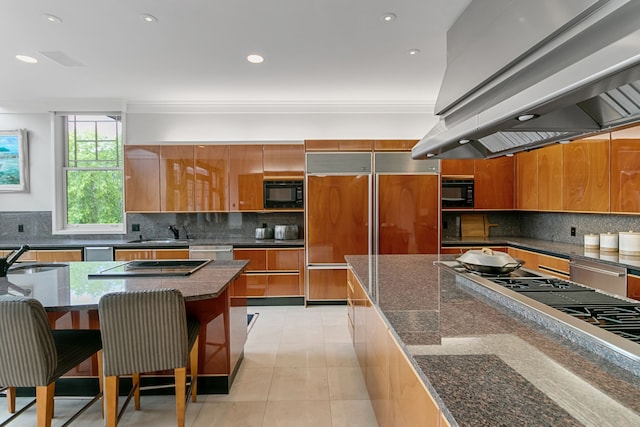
point(543, 263)
point(633, 286)
point(131, 254)
point(326, 284)
point(49, 255)
point(271, 272)
point(397, 393)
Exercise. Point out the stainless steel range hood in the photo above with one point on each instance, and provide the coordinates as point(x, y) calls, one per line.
point(574, 65)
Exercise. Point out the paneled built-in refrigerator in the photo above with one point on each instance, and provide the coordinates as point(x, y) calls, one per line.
point(361, 204)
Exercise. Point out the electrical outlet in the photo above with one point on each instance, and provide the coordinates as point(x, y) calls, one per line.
point(20, 228)
point(573, 231)
point(135, 227)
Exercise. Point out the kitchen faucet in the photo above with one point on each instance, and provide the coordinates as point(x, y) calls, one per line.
point(10, 258)
point(175, 231)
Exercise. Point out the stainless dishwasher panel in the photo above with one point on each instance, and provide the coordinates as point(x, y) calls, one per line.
point(214, 252)
point(597, 275)
point(98, 253)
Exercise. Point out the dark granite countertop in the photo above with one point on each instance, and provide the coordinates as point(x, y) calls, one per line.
point(484, 363)
point(76, 243)
point(69, 288)
point(562, 250)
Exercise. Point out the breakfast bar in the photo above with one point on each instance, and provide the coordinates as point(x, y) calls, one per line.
point(421, 329)
point(71, 299)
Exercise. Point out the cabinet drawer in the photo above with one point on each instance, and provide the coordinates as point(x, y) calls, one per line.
point(280, 284)
point(257, 258)
point(282, 259)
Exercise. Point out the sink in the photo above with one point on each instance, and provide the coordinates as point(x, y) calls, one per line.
point(35, 268)
point(159, 241)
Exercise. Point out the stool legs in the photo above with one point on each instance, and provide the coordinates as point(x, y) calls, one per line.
point(193, 356)
point(135, 380)
point(11, 399)
point(111, 385)
point(44, 404)
point(181, 392)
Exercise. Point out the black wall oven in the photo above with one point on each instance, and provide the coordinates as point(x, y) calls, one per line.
point(283, 194)
point(457, 193)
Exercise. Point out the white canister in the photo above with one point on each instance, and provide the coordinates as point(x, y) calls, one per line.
point(629, 243)
point(591, 241)
point(609, 242)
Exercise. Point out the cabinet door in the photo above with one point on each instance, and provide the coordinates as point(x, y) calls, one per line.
point(527, 180)
point(141, 178)
point(625, 170)
point(212, 178)
point(585, 175)
point(337, 217)
point(59, 255)
point(283, 284)
point(550, 178)
point(177, 179)
point(338, 145)
point(457, 167)
point(633, 287)
point(132, 254)
point(494, 183)
point(257, 258)
point(327, 284)
point(394, 144)
point(283, 161)
point(282, 259)
point(245, 178)
point(408, 214)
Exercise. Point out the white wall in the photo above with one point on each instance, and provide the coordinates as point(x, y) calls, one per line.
point(40, 195)
point(153, 124)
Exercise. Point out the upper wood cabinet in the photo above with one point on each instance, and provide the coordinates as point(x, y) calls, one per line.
point(464, 167)
point(625, 170)
point(142, 178)
point(585, 175)
point(494, 183)
point(212, 178)
point(177, 178)
point(339, 145)
point(394, 144)
point(283, 161)
point(550, 178)
point(245, 178)
point(527, 180)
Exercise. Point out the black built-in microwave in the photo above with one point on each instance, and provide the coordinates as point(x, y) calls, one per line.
point(283, 194)
point(457, 193)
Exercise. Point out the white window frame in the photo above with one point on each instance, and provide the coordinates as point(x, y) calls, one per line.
point(59, 213)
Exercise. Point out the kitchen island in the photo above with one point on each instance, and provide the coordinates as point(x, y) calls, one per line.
point(71, 300)
point(435, 347)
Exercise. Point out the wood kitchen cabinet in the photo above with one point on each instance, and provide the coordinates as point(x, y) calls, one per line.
point(625, 170)
point(177, 178)
point(550, 178)
point(272, 272)
point(338, 145)
point(283, 161)
point(394, 144)
point(48, 255)
point(494, 183)
point(457, 167)
point(142, 178)
point(585, 175)
point(211, 178)
point(133, 254)
point(245, 178)
point(543, 263)
point(527, 180)
point(633, 286)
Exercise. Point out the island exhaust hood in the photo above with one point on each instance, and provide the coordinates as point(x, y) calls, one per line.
point(522, 74)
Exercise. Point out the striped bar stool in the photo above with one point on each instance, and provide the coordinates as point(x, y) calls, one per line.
point(147, 331)
point(33, 355)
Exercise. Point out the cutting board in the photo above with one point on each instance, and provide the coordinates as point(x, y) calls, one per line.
point(475, 225)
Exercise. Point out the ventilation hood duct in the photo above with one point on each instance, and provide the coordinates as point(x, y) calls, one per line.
point(574, 66)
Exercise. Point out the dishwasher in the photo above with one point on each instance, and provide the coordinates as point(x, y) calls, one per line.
point(214, 252)
point(597, 275)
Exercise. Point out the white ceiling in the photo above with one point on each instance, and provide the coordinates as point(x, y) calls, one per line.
point(316, 51)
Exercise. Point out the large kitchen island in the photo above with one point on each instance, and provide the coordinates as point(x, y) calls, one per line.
point(438, 349)
point(71, 298)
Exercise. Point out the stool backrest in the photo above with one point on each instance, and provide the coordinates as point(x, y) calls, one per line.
point(27, 351)
point(143, 331)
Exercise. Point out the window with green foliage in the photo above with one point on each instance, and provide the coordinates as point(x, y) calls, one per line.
point(93, 170)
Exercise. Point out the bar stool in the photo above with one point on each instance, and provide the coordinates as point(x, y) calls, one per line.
point(33, 355)
point(147, 331)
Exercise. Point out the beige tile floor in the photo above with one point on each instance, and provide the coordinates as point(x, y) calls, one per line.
point(300, 369)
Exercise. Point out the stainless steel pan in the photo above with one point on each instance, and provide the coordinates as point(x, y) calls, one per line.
point(487, 261)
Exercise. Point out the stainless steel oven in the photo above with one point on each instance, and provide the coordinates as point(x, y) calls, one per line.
point(457, 193)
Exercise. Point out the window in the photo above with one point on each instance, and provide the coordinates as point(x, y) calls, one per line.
point(92, 175)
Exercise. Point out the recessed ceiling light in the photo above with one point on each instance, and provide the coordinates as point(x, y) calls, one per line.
point(148, 18)
point(564, 141)
point(430, 154)
point(255, 59)
point(509, 155)
point(525, 117)
point(27, 59)
point(414, 51)
point(463, 141)
point(388, 17)
point(52, 18)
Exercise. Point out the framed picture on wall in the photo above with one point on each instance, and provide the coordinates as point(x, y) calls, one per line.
point(14, 160)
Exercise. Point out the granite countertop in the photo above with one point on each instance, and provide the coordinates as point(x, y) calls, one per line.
point(69, 288)
point(483, 362)
point(563, 250)
point(74, 243)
